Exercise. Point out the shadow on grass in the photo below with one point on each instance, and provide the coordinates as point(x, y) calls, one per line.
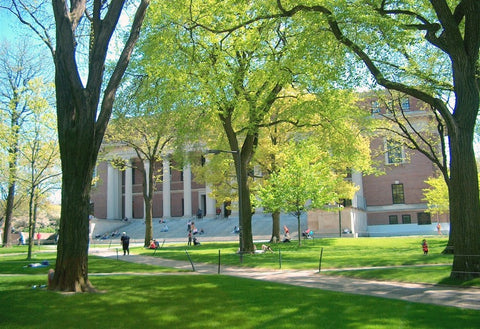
point(213, 301)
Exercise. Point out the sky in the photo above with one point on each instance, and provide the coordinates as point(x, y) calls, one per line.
point(8, 26)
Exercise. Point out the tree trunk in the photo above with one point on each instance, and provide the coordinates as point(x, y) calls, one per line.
point(275, 226)
point(81, 127)
point(246, 237)
point(71, 271)
point(148, 188)
point(464, 207)
point(299, 228)
point(31, 224)
point(8, 215)
point(463, 191)
point(148, 221)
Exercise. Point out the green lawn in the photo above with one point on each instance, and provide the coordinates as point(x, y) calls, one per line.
point(149, 297)
point(211, 301)
point(403, 253)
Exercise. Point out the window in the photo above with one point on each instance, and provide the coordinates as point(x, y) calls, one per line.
point(347, 202)
point(393, 219)
point(375, 107)
point(398, 195)
point(394, 152)
point(349, 173)
point(423, 218)
point(406, 219)
point(405, 104)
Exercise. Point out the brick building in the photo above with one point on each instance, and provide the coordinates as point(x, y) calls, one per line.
point(388, 204)
point(118, 194)
point(392, 203)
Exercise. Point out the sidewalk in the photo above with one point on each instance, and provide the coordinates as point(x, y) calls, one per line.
point(412, 292)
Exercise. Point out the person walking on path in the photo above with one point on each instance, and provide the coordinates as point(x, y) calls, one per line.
point(125, 239)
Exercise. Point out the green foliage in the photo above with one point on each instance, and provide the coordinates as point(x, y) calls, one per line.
point(437, 195)
point(306, 180)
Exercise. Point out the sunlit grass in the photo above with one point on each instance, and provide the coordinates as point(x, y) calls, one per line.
point(211, 301)
point(403, 254)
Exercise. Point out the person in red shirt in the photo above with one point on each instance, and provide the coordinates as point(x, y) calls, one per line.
point(425, 247)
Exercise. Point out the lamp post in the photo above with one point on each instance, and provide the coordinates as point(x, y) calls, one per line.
point(239, 178)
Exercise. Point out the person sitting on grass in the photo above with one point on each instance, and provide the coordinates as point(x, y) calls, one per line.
point(152, 245)
point(196, 242)
point(266, 248)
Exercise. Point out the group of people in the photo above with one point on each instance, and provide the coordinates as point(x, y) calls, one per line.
point(106, 236)
point(154, 244)
point(191, 231)
point(308, 234)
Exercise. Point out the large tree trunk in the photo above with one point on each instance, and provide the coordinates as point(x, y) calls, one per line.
point(465, 211)
point(71, 271)
point(464, 196)
point(246, 237)
point(275, 226)
point(80, 127)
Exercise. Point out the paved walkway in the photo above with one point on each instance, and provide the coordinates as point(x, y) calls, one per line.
point(412, 292)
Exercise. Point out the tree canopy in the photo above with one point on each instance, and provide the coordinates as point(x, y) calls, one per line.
point(428, 50)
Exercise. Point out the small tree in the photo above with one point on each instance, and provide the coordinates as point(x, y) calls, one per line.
point(18, 68)
point(307, 180)
point(149, 136)
point(39, 155)
point(436, 196)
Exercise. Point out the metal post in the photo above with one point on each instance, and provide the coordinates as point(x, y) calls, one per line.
point(320, 261)
point(218, 261)
point(280, 258)
point(190, 260)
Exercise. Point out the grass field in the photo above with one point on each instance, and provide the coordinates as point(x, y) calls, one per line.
point(403, 255)
point(134, 295)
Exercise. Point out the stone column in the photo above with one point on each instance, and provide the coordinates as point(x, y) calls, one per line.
point(146, 166)
point(166, 190)
point(113, 193)
point(128, 193)
point(187, 191)
point(210, 211)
